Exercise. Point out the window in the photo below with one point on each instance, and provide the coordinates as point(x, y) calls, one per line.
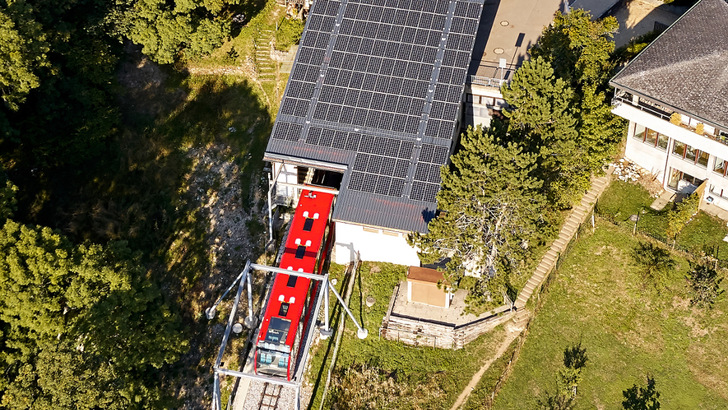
point(719, 166)
point(283, 362)
point(469, 98)
point(308, 224)
point(702, 159)
point(292, 279)
point(651, 137)
point(283, 311)
point(690, 153)
point(678, 148)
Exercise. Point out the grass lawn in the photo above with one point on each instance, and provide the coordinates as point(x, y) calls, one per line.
point(451, 369)
point(703, 234)
point(597, 298)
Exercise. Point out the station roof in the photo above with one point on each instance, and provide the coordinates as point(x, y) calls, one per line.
point(377, 86)
point(686, 67)
point(507, 30)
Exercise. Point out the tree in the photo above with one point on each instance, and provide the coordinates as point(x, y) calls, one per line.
point(167, 30)
point(81, 325)
point(681, 214)
point(642, 398)
point(23, 49)
point(489, 207)
point(567, 380)
point(580, 51)
point(704, 284)
point(540, 116)
point(654, 262)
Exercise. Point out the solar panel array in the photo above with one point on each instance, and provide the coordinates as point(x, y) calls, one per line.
point(382, 79)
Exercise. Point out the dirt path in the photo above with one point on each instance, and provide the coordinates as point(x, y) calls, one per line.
point(511, 335)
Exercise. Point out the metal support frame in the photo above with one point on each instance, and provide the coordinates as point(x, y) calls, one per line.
point(271, 185)
point(243, 281)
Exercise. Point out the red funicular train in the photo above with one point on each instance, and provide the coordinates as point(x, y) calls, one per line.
point(287, 310)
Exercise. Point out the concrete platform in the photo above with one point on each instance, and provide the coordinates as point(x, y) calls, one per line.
point(454, 315)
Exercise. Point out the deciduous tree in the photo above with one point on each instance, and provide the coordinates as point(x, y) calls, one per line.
point(642, 398)
point(704, 284)
point(82, 327)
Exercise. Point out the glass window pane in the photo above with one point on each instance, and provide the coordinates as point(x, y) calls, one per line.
point(662, 141)
point(719, 166)
point(675, 176)
point(639, 132)
point(678, 148)
point(690, 153)
point(650, 137)
point(702, 159)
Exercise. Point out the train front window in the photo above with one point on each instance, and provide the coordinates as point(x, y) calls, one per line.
point(272, 363)
point(283, 311)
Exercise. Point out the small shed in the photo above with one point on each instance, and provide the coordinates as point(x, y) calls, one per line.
point(422, 287)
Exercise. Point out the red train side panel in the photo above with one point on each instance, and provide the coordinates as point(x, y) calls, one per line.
point(306, 245)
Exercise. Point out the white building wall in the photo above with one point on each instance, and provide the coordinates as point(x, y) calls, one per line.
point(646, 156)
point(659, 162)
point(373, 245)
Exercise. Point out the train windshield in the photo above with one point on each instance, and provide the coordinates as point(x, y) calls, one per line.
point(272, 362)
point(273, 353)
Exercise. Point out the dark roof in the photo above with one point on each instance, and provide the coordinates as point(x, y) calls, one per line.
point(686, 68)
point(377, 86)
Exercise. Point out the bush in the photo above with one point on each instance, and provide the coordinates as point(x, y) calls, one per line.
point(288, 33)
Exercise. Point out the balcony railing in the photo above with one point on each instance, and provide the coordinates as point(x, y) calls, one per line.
point(486, 81)
point(627, 99)
point(720, 136)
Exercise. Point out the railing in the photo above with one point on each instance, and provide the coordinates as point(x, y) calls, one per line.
point(664, 115)
point(626, 99)
point(486, 81)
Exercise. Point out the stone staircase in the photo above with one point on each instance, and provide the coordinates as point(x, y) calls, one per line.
point(265, 67)
point(577, 216)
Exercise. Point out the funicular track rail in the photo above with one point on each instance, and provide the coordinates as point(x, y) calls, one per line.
point(270, 397)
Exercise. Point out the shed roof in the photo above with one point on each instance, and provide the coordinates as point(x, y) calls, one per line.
point(418, 274)
point(686, 67)
point(377, 86)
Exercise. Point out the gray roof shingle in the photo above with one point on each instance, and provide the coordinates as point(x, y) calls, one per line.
point(686, 68)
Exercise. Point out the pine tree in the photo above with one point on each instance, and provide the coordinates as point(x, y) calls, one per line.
point(541, 116)
point(580, 50)
point(489, 209)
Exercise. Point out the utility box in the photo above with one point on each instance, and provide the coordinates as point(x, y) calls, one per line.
point(422, 287)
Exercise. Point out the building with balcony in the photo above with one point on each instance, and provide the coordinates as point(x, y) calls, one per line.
point(507, 30)
point(675, 96)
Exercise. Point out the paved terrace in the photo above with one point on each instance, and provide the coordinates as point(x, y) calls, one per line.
point(508, 28)
point(454, 315)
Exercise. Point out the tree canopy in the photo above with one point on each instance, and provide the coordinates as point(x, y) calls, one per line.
point(490, 205)
point(81, 326)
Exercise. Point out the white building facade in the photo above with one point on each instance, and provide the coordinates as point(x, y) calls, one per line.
point(675, 96)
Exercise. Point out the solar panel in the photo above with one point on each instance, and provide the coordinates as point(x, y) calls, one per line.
point(396, 187)
point(380, 69)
